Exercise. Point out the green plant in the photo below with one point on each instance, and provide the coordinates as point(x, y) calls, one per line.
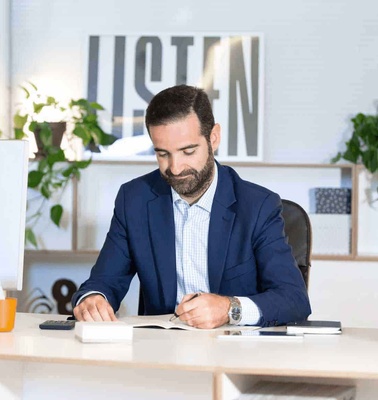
point(51, 176)
point(362, 147)
point(52, 171)
point(81, 114)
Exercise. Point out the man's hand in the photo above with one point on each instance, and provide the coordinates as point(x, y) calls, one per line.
point(206, 311)
point(94, 308)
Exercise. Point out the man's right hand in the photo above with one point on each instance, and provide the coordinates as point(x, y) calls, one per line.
point(94, 308)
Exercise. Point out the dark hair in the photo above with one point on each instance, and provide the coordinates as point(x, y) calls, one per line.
point(177, 102)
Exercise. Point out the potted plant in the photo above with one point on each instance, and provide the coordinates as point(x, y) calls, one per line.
point(52, 170)
point(362, 147)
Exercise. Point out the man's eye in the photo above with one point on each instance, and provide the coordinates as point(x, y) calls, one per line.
point(189, 152)
point(162, 155)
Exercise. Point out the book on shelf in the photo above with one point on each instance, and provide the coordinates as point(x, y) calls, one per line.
point(315, 327)
point(267, 390)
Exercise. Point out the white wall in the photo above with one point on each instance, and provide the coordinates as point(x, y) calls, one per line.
point(321, 64)
point(320, 57)
point(345, 291)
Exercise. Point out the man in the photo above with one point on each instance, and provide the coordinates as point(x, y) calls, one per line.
point(195, 227)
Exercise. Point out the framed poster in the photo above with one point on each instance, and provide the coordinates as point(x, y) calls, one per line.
point(124, 72)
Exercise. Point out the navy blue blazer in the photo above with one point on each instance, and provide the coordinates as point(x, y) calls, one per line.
point(248, 254)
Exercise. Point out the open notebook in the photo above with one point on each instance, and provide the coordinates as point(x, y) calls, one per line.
point(162, 321)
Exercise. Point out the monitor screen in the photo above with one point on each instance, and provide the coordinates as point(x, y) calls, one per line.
point(13, 191)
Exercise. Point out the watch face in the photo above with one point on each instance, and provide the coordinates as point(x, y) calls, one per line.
point(236, 315)
point(235, 311)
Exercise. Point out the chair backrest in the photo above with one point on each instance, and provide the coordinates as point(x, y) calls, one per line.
point(298, 232)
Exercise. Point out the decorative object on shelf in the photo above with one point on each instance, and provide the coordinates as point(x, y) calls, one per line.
point(36, 301)
point(331, 223)
point(47, 119)
point(331, 233)
point(57, 130)
point(265, 390)
point(333, 200)
point(62, 291)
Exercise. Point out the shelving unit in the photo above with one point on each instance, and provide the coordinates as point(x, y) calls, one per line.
point(90, 204)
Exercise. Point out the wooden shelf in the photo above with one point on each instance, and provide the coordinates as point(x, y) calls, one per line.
point(94, 253)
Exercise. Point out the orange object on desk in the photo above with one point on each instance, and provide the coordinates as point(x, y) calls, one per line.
point(8, 308)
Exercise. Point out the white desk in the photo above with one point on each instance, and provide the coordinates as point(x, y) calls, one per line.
point(166, 364)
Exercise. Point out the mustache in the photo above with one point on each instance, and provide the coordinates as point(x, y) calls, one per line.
point(182, 174)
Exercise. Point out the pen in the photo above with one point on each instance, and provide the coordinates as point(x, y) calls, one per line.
point(174, 316)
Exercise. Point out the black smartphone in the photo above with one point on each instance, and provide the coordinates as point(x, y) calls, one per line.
point(58, 325)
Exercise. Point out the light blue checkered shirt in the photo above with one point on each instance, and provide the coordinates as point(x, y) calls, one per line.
point(191, 236)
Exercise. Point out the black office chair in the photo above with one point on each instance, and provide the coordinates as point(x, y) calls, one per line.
point(298, 232)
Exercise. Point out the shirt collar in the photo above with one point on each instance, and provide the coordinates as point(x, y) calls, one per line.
point(206, 201)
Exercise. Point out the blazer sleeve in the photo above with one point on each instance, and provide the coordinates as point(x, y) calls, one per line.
point(114, 269)
point(282, 295)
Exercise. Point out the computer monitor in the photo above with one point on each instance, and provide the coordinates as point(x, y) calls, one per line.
point(13, 191)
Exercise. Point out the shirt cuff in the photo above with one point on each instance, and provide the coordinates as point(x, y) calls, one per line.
point(88, 294)
point(251, 314)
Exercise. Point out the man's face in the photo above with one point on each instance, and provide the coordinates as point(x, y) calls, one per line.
point(185, 157)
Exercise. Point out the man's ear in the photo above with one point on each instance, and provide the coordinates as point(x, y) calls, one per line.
point(215, 137)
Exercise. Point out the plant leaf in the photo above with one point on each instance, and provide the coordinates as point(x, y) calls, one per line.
point(108, 139)
point(336, 158)
point(38, 107)
point(51, 100)
point(82, 133)
point(33, 126)
point(45, 134)
point(34, 178)
point(56, 213)
point(96, 106)
point(91, 118)
point(82, 103)
point(68, 171)
point(97, 135)
point(27, 93)
point(45, 191)
point(19, 121)
point(30, 237)
point(42, 164)
point(55, 157)
point(19, 134)
point(83, 164)
point(33, 86)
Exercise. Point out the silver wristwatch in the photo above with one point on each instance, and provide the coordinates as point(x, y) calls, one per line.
point(235, 311)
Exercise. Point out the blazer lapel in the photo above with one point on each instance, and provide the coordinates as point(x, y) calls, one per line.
point(162, 231)
point(221, 223)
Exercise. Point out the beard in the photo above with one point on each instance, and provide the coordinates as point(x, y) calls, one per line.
point(190, 182)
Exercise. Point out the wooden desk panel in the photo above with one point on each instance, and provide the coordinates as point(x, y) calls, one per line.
point(197, 362)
